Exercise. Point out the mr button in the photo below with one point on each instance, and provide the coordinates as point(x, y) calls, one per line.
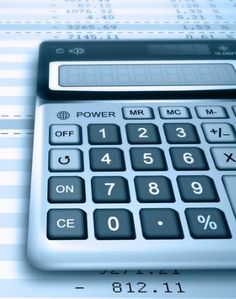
point(66, 224)
point(137, 112)
point(65, 134)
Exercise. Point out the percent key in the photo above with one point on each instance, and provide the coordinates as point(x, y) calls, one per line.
point(207, 223)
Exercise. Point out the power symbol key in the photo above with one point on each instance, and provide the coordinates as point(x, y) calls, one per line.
point(65, 160)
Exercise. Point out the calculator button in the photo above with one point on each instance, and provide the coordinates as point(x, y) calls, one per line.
point(160, 224)
point(110, 189)
point(188, 158)
point(234, 109)
point(107, 159)
point(153, 189)
point(104, 134)
point(148, 158)
point(219, 133)
point(65, 160)
point(66, 189)
point(143, 133)
point(137, 112)
point(207, 223)
point(230, 183)
point(181, 133)
point(174, 112)
point(211, 112)
point(113, 224)
point(66, 224)
point(65, 134)
point(197, 189)
point(224, 157)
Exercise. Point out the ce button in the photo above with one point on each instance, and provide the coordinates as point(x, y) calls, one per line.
point(65, 160)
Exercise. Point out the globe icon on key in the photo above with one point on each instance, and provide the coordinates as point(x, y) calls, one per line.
point(63, 115)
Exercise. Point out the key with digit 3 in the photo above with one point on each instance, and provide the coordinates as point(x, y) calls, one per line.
point(134, 157)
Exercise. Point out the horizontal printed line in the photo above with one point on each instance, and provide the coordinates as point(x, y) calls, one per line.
point(10, 236)
point(15, 153)
point(18, 193)
point(27, 12)
point(12, 253)
point(16, 74)
point(9, 91)
point(13, 270)
point(23, 43)
point(13, 205)
point(13, 220)
point(16, 58)
point(14, 178)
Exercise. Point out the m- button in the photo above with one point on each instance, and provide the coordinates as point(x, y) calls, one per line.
point(137, 112)
point(65, 134)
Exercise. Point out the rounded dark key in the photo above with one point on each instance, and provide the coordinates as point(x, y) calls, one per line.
point(161, 224)
point(207, 223)
point(113, 224)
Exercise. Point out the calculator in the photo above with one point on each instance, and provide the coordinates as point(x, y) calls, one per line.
point(134, 156)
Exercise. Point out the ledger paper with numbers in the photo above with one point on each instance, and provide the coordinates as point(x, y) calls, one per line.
point(23, 25)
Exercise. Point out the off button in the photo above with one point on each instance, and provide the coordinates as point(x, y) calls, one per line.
point(65, 134)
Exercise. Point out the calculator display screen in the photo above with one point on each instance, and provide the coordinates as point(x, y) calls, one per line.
point(108, 75)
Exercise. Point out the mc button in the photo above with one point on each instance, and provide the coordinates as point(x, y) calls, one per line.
point(65, 134)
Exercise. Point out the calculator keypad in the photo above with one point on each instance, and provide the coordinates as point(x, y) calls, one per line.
point(146, 176)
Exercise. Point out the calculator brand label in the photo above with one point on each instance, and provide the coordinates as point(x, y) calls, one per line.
point(96, 114)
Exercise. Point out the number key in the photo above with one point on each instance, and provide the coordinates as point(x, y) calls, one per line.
point(104, 134)
point(113, 224)
point(188, 158)
point(143, 133)
point(153, 189)
point(110, 189)
point(147, 159)
point(107, 159)
point(181, 133)
point(197, 189)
